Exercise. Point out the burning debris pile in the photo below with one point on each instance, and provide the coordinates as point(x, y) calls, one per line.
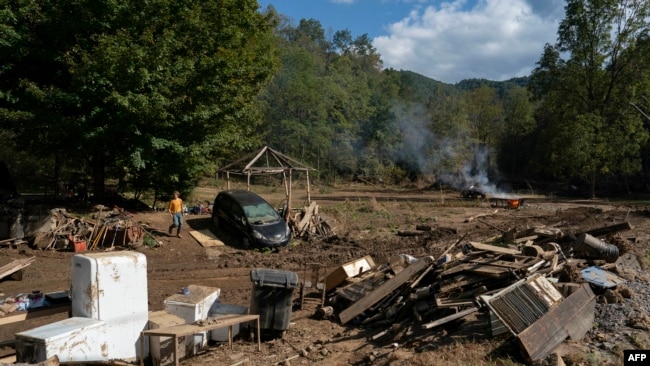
point(540, 285)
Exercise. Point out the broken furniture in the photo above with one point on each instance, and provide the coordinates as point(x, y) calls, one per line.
point(272, 298)
point(183, 330)
point(219, 310)
point(109, 311)
point(313, 286)
point(163, 350)
point(192, 307)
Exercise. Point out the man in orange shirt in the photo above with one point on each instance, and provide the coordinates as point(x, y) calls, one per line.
point(176, 211)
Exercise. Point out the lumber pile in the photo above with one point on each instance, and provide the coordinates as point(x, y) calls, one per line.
point(505, 280)
point(105, 230)
point(308, 223)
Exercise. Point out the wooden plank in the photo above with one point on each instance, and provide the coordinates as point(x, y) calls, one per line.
point(15, 266)
point(489, 271)
point(385, 289)
point(500, 263)
point(206, 238)
point(573, 317)
point(36, 313)
point(182, 330)
point(309, 212)
point(494, 248)
point(449, 318)
point(609, 229)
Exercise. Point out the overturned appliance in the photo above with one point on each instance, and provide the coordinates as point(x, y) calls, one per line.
point(109, 310)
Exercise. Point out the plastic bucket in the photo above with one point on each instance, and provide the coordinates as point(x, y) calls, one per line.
point(79, 246)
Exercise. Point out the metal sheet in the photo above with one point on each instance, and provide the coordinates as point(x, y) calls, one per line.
point(524, 302)
point(601, 277)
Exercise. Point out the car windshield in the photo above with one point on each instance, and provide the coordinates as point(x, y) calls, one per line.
point(260, 213)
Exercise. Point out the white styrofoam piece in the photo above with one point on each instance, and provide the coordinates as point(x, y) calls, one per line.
point(110, 309)
point(192, 307)
point(218, 310)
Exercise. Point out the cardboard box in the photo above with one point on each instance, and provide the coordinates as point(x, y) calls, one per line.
point(348, 270)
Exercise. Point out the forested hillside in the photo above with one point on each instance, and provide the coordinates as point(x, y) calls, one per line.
point(158, 94)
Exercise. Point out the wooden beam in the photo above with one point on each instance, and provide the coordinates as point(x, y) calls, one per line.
point(449, 318)
point(308, 189)
point(36, 313)
point(609, 229)
point(254, 160)
point(15, 266)
point(493, 248)
point(385, 289)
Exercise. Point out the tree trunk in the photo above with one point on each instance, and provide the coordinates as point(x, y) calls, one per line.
point(593, 185)
point(99, 175)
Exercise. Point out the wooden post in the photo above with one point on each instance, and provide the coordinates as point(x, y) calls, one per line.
point(289, 199)
point(286, 187)
point(227, 180)
point(248, 181)
point(308, 191)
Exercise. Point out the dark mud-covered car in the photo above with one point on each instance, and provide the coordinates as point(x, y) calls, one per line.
point(250, 216)
point(472, 192)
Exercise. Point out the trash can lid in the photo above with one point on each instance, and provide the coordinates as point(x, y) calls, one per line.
point(268, 277)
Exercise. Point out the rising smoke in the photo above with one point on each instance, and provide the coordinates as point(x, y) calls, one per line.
point(455, 159)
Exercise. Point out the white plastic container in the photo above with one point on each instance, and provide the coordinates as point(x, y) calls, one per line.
point(219, 310)
point(192, 307)
point(109, 308)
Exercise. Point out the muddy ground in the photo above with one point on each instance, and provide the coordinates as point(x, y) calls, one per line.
point(367, 220)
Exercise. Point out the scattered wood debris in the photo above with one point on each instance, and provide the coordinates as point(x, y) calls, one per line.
point(529, 281)
point(15, 266)
point(309, 222)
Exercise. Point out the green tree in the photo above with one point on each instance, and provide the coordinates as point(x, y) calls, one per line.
point(519, 125)
point(157, 87)
point(589, 129)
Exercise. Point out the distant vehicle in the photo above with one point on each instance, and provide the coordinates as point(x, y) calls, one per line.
point(473, 191)
point(250, 216)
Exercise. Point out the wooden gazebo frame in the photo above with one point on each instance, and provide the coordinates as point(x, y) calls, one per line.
point(276, 163)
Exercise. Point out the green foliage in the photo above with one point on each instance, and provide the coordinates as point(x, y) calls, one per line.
point(588, 127)
point(158, 87)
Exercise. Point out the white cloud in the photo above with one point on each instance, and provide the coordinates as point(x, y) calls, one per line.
point(493, 39)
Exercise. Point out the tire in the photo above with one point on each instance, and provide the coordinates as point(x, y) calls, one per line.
point(246, 242)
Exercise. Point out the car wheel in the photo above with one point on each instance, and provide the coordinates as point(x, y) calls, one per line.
point(215, 221)
point(246, 242)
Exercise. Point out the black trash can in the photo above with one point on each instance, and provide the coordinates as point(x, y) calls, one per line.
point(272, 299)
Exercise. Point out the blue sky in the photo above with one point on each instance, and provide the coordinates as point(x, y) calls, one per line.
point(447, 40)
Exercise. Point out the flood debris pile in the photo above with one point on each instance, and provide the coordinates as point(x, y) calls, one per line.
point(104, 230)
point(309, 223)
point(539, 285)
